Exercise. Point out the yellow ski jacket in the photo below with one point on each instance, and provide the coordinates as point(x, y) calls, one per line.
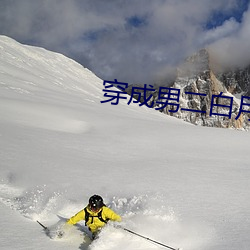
point(94, 223)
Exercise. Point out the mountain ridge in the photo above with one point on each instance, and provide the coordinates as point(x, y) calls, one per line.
point(199, 74)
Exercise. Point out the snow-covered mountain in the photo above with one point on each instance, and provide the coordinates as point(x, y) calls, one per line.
point(200, 82)
point(237, 81)
point(198, 75)
point(182, 185)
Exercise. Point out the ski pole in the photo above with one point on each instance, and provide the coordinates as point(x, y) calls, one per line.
point(146, 238)
point(45, 228)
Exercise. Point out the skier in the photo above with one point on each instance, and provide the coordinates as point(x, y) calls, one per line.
point(95, 214)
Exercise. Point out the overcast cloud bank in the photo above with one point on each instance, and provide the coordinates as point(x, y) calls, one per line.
point(133, 41)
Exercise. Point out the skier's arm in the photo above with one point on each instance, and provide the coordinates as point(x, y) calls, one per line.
point(110, 214)
point(77, 217)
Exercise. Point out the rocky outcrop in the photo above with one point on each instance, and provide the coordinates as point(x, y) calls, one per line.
point(213, 108)
point(207, 97)
point(237, 81)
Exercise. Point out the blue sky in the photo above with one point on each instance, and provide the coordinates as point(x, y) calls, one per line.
point(218, 17)
point(134, 41)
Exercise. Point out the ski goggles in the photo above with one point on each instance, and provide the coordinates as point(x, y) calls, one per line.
point(94, 208)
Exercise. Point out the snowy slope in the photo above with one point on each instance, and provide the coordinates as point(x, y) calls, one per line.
point(179, 184)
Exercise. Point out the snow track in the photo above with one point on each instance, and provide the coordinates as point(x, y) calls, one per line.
point(30, 203)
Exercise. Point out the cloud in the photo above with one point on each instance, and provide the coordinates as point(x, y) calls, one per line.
point(134, 41)
point(232, 50)
point(228, 28)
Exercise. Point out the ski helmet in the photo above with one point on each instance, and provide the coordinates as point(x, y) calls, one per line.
point(95, 202)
